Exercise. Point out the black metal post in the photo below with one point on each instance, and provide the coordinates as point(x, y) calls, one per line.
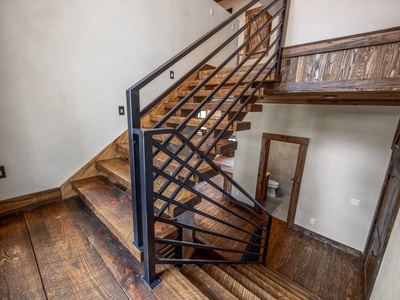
point(133, 110)
point(266, 241)
point(146, 197)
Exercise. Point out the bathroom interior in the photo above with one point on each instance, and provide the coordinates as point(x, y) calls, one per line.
point(282, 162)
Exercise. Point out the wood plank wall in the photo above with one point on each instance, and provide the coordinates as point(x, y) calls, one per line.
point(362, 56)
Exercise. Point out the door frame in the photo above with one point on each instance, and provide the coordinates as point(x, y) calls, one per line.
point(262, 184)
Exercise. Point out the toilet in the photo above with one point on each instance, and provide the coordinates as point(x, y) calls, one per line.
point(272, 187)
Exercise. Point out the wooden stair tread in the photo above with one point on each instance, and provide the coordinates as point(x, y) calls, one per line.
point(297, 290)
point(119, 170)
point(267, 284)
point(204, 167)
point(221, 147)
point(221, 93)
point(229, 283)
point(221, 228)
point(211, 105)
point(114, 208)
point(225, 71)
point(207, 285)
point(246, 282)
point(235, 126)
point(234, 79)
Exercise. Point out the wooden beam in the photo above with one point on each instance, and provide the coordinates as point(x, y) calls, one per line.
point(333, 86)
point(375, 91)
point(391, 35)
point(30, 201)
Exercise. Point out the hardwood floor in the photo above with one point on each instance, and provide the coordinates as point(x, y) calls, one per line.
point(62, 251)
point(322, 269)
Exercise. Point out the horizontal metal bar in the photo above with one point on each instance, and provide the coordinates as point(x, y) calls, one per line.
point(203, 261)
point(206, 179)
point(199, 229)
point(212, 164)
point(199, 212)
point(201, 195)
point(203, 246)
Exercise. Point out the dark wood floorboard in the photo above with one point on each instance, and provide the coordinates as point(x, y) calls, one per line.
point(70, 267)
point(78, 257)
point(127, 271)
point(322, 269)
point(19, 274)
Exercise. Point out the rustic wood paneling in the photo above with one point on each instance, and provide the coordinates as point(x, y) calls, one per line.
point(390, 35)
point(381, 61)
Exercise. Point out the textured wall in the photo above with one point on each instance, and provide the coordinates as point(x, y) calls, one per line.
point(64, 70)
point(347, 158)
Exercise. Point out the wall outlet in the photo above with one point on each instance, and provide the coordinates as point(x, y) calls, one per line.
point(312, 221)
point(2, 172)
point(211, 11)
point(121, 110)
point(355, 202)
point(171, 74)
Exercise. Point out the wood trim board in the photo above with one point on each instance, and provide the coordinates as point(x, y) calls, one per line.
point(30, 201)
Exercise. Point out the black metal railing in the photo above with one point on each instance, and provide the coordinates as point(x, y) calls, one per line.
point(166, 161)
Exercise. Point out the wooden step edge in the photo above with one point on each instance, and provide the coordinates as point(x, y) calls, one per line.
point(204, 169)
point(235, 126)
point(204, 73)
point(229, 283)
point(293, 287)
point(272, 78)
point(211, 105)
point(104, 217)
point(221, 147)
point(207, 285)
point(265, 283)
point(123, 148)
point(247, 283)
point(219, 94)
point(174, 285)
point(118, 169)
point(121, 225)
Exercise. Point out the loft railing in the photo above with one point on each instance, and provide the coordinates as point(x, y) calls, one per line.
point(180, 146)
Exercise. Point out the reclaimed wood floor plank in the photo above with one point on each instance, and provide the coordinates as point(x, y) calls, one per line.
point(19, 274)
point(70, 267)
point(126, 270)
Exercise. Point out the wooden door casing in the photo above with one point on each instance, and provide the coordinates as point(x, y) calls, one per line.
point(385, 216)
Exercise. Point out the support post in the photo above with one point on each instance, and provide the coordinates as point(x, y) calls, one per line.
point(146, 197)
point(133, 110)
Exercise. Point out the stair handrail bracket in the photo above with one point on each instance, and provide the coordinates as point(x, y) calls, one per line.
point(166, 192)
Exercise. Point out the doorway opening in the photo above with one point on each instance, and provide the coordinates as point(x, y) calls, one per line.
point(282, 159)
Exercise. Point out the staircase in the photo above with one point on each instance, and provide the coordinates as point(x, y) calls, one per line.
point(159, 195)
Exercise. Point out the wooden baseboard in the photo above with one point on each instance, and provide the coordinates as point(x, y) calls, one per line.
point(30, 201)
point(328, 241)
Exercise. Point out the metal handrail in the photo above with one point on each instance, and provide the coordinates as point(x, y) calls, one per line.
point(143, 147)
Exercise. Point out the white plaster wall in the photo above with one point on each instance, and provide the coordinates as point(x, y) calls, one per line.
point(315, 20)
point(387, 283)
point(347, 158)
point(64, 69)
